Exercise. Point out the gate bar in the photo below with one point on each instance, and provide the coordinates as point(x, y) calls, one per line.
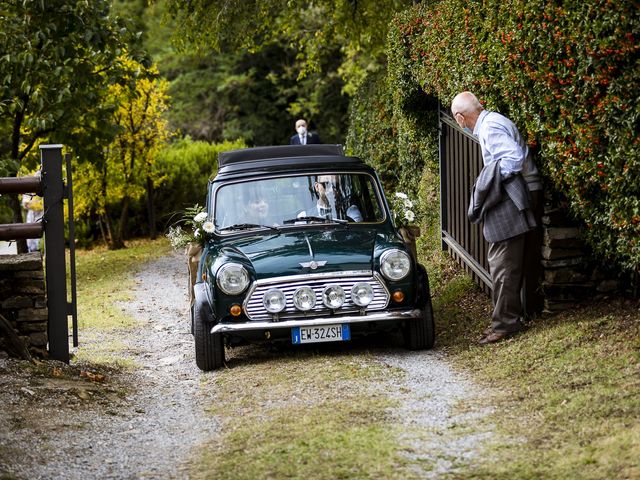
point(53, 193)
point(73, 306)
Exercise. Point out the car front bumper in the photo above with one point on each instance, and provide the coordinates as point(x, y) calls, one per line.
point(372, 317)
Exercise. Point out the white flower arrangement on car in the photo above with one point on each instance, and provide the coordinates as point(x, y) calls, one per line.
point(196, 225)
point(404, 214)
point(402, 208)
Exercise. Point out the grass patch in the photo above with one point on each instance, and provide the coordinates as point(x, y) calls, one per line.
point(106, 277)
point(565, 391)
point(569, 388)
point(308, 416)
point(105, 353)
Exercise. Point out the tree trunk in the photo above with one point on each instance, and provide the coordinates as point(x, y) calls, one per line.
point(102, 232)
point(14, 203)
point(117, 239)
point(151, 209)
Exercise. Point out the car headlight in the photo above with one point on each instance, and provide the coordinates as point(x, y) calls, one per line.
point(233, 278)
point(362, 294)
point(273, 300)
point(333, 296)
point(395, 264)
point(304, 298)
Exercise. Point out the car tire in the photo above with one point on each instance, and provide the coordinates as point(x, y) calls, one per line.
point(209, 346)
point(420, 334)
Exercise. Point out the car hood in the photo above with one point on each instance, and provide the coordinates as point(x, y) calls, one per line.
point(292, 253)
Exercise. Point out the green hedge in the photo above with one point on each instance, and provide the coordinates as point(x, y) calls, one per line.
point(567, 74)
point(186, 166)
point(371, 133)
point(398, 138)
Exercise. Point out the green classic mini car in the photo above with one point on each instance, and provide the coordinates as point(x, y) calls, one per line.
point(304, 249)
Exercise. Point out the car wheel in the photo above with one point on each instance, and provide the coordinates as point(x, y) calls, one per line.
point(209, 346)
point(420, 334)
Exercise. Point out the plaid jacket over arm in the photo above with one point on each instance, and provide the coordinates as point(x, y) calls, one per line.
point(502, 204)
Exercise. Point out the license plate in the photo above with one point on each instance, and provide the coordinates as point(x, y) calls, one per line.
point(321, 333)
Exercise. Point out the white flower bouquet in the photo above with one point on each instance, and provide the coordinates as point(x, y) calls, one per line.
point(402, 208)
point(192, 229)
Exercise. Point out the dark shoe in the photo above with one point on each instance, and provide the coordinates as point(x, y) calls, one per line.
point(495, 337)
point(485, 332)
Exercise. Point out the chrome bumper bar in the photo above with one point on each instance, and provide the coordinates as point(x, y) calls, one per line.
point(373, 317)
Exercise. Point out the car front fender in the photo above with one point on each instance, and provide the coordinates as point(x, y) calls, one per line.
point(202, 299)
point(423, 291)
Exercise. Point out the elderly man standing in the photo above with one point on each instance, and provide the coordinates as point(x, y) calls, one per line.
point(507, 198)
point(304, 137)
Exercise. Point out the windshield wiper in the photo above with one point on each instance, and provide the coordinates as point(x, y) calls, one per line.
point(247, 226)
point(313, 218)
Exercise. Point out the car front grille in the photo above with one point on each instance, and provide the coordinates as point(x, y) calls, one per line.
point(255, 310)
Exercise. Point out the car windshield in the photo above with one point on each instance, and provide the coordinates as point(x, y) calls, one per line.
point(297, 200)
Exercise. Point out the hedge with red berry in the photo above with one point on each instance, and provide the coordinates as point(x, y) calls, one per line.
point(567, 73)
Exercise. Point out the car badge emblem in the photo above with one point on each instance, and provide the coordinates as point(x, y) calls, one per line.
point(313, 264)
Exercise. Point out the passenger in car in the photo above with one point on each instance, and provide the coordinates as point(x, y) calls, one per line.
point(331, 199)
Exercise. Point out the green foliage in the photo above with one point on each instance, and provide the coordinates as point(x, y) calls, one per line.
point(396, 134)
point(569, 84)
point(57, 57)
point(56, 62)
point(254, 95)
point(5, 211)
point(123, 172)
point(188, 165)
point(371, 132)
point(307, 27)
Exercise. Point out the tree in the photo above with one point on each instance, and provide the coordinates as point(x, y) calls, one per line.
point(223, 96)
point(57, 58)
point(359, 27)
point(126, 170)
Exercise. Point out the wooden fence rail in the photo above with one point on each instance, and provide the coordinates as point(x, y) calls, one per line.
point(16, 185)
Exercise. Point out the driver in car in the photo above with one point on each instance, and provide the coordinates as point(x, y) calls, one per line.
point(257, 209)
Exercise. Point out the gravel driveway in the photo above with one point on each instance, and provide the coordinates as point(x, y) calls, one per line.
point(146, 421)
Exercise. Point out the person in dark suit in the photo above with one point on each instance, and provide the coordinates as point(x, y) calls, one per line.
point(304, 137)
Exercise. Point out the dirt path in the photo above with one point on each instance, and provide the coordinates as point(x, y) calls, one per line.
point(146, 423)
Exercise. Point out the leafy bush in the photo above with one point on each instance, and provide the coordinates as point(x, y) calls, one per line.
point(396, 140)
point(187, 166)
point(570, 84)
point(371, 132)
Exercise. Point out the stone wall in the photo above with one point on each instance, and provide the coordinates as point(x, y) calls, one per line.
point(571, 273)
point(23, 301)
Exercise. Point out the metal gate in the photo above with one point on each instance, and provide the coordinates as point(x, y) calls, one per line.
point(460, 164)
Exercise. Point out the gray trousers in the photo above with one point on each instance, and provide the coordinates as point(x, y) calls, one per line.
point(506, 265)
